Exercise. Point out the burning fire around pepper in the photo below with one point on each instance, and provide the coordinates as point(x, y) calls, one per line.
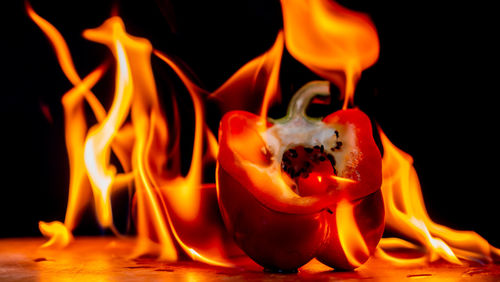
point(287, 190)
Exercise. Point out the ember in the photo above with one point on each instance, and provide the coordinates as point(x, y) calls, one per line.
point(137, 144)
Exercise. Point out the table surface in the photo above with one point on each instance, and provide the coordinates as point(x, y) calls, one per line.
point(104, 258)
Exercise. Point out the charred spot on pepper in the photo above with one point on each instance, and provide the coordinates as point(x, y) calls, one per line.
point(300, 161)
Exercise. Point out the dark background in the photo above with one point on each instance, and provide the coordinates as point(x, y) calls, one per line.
point(433, 92)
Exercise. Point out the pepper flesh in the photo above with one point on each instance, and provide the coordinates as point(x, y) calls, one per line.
point(277, 227)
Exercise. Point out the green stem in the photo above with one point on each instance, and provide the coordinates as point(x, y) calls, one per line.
point(302, 98)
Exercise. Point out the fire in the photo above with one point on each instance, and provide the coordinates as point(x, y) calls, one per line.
point(334, 42)
point(58, 233)
point(257, 80)
point(350, 237)
point(405, 213)
point(171, 209)
point(163, 198)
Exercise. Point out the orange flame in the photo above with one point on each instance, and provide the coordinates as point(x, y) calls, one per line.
point(139, 145)
point(332, 41)
point(349, 235)
point(405, 212)
point(97, 148)
point(58, 233)
point(74, 115)
point(255, 85)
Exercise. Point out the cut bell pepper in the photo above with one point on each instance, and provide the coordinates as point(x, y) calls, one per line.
point(279, 183)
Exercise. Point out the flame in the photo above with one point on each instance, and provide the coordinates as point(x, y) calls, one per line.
point(332, 41)
point(255, 85)
point(74, 119)
point(65, 59)
point(58, 233)
point(342, 179)
point(136, 131)
point(349, 235)
point(97, 148)
point(272, 88)
point(186, 198)
point(405, 212)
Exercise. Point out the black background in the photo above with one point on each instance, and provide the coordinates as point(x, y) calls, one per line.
point(433, 92)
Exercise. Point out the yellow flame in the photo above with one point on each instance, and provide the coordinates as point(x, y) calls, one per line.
point(405, 212)
point(91, 159)
point(342, 179)
point(75, 124)
point(99, 139)
point(75, 127)
point(59, 235)
point(135, 93)
point(350, 238)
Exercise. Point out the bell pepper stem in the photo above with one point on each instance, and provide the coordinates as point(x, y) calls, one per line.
point(302, 98)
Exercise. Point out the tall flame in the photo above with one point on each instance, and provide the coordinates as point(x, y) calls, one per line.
point(74, 119)
point(135, 130)
point(97, 148)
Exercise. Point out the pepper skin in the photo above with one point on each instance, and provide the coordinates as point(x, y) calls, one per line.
point(280, 182)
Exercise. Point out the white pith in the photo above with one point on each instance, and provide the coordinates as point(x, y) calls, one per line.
point(302, 132)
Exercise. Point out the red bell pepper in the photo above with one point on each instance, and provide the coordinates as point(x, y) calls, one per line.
point(279, 183)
